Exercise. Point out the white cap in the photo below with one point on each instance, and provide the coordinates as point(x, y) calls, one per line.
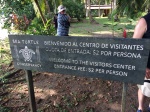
point(61, 8)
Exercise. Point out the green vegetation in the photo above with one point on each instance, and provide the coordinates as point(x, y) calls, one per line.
point(4, 109)
point(37, 28)
point(35, 16)
point(75, 10)
point(5, 52)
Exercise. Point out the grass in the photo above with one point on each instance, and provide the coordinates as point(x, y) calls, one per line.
point(5, 52)
point(5, 59)
point(105, 26)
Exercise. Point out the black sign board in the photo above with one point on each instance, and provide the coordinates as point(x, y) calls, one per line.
point(116, 59)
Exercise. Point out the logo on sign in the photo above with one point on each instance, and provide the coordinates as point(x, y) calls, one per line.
point(27, 53)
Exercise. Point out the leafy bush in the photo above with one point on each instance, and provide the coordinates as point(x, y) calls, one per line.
point(75, 10)
point(3, 109)
point(37, 28)
point(15, 13)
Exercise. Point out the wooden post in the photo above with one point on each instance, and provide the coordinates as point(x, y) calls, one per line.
point(29, 79)
point(124, 92)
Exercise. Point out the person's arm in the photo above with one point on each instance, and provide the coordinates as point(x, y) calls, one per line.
point(140, 28)
point(147, 73)
point(139, 31)
point(69, 17)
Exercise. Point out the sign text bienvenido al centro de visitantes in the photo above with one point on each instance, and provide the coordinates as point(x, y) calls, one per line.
point(117, 59)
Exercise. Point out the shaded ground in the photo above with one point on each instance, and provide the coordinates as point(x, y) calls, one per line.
point(66, 93)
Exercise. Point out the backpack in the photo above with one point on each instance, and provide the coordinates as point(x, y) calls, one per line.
point(55, 20)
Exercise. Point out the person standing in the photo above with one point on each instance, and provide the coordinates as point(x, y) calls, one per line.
point(63, 21)
point(142, 30)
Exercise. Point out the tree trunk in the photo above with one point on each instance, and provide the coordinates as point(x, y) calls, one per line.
point(55, 4)
point(99, 10)
point(89, 12)
point(40, 11)
point(47, 7)
point(114, 4)
point(55, 7)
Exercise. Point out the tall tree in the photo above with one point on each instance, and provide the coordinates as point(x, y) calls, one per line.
point(132, 8)
point(89, 12)
point(47, 6)
point(99, 10)
point(55, 4)
point(40, 11)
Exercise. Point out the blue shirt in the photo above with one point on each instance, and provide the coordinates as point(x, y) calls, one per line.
point(63, 25)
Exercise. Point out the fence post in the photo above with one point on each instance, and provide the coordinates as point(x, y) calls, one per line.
point(124, 92)
point(29, 79)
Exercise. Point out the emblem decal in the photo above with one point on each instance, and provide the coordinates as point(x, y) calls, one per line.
point(27, 53)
